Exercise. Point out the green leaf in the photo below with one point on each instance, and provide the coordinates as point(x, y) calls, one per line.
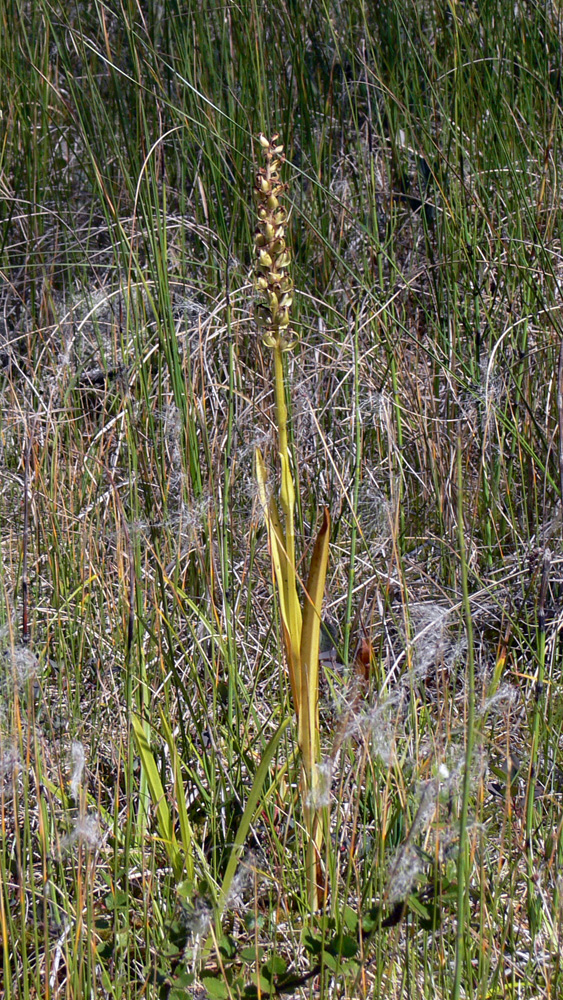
point(116, 900)
point(350, 918)
point(216, 988)
point(343, 947)
point(183, 980)
point(419, 908)
point(275, 966)
point(429, 916)
point(332, 962)
point(261, 982)
point(250, 991)
point(253, 921)
point(371, 919)
point(312, 609)
point(227, 946)
point(286, 580)
point(163, 818)
point(312, 943)
point(186, 889)
point(180, 796)
point(104, 950)
point(251, 954)
point(309, 651)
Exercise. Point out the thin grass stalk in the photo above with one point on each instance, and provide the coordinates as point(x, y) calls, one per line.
point(224, 521)
point(532, 773)
point(463, 865)
point(357, 479)
point(25, 581)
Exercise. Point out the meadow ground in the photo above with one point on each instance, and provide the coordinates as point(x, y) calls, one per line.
point(152, 835)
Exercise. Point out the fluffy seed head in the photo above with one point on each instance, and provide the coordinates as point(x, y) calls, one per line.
point(78, 762)
point(86, 833)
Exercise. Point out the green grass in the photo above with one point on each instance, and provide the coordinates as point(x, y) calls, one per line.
point(424, 161)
